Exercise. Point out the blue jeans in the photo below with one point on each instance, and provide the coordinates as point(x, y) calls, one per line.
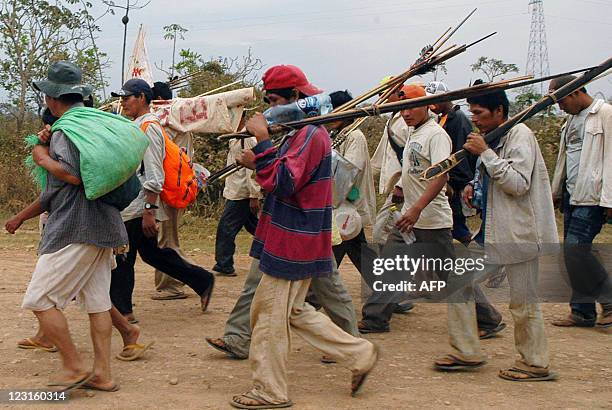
point(460, 229)
point(589, 279)
point(236, 215)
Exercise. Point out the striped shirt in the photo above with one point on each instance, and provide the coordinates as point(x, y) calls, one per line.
point(72, 217)
point(293, 237)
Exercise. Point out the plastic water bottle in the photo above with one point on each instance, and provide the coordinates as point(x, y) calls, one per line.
point(314, 106)
point(408, 236)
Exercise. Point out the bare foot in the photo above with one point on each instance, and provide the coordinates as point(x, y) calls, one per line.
point(98, 383)
point(131, 336)
point(67, 377)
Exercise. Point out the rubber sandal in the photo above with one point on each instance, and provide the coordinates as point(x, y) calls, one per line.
point(604, 321)
point(75, 385)
point(533, 377)
point(327, 360)
point(358, 380)
point(206, 295)
point(489, 333)
point(225, 349)
point(574, 321)
point(458, 364)
point(88, 386)
point(262, 405)
point(138, 351)
point(168, 296)
point(31, 344)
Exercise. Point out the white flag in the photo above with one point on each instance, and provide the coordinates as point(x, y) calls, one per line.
point(139, 65)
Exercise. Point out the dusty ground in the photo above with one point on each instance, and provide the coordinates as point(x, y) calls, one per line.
point(206, 379)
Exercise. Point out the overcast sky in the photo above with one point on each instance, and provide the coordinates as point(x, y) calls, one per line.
point(353, 44)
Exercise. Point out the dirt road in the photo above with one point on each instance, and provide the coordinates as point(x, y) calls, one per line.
point(206, 379)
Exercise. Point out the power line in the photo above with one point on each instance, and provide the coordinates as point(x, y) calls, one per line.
point(287, 18)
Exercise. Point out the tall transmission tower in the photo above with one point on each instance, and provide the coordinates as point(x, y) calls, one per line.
point(537, 59)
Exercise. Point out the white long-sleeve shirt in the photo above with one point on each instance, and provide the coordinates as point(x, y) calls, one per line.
point(355, 149)
point(384, 161)
point(240, 185)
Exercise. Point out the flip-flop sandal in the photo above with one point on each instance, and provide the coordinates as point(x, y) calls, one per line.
point(88, 386)
point(358, 380)
point(458, 364)
point(225, 349)
point(262, 405)
point(489, 333)
point(328, 360)
point(138, 351)
point(75, 385)
point(533, 377)
point(31, 344)
point(205, 298)
point(174, 296)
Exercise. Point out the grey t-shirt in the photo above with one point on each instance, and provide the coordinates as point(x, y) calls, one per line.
point(72, 217)
point(574, 137)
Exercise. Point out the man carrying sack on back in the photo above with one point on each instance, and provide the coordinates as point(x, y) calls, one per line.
point(76, 249)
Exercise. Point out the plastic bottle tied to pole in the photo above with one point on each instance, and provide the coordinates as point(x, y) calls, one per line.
point(408, 237)
point(314, 106)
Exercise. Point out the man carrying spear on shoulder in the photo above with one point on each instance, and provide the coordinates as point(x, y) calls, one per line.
point(512, 190)
point(293, 245)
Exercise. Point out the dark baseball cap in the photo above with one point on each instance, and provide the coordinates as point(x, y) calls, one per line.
point(135, 86)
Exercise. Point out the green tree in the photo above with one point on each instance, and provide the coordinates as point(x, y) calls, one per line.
point(493, 68)
point(526, 97)
point(33, 34)
point(172, 32)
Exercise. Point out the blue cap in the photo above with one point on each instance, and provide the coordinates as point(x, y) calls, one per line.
point(135, 86)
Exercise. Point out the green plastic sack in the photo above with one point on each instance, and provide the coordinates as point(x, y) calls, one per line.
point(110, 147)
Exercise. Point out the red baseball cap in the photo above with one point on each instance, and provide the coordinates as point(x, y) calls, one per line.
point(288, 76)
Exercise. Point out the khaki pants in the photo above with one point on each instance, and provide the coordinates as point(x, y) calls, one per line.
point(330, 292)
point(279, 306)
point(529, 334)
point(169, 238)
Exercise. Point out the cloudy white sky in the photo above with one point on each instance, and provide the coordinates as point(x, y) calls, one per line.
point(353, 44)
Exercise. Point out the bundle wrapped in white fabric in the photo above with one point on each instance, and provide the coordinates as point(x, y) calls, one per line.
point(211, 114)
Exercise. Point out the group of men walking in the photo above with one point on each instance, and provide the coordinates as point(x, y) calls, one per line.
point(295, 256)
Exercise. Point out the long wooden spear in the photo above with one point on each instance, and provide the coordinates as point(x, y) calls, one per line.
point(391, 107)
point(429, 58)
point(405, 104)
point(548, 100)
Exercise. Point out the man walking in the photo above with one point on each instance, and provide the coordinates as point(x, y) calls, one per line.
point(518, 224)
point(142, 215)
point(582, 188)
point(284, 85)
point(293, 245)
point(242, 196)
point(76, 249)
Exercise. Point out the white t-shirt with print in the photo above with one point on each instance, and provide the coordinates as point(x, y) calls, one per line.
point(427, 145)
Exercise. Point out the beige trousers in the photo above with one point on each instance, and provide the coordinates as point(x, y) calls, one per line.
point(279, 306)
point(529, 334)
point(169, 238)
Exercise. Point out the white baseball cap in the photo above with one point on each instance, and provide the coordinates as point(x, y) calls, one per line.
point(436, 87)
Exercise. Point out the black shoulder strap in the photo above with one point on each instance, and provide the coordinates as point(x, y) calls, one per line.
point(399, 151)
